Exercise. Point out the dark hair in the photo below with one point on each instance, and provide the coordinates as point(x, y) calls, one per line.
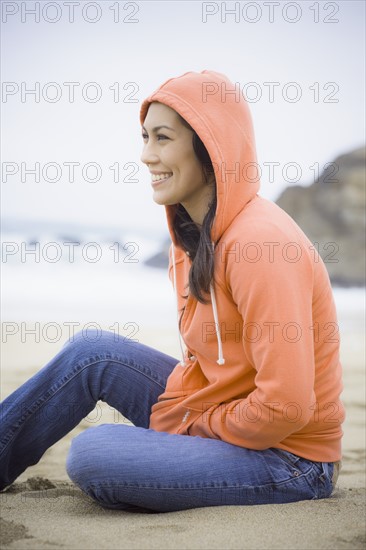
point(195, 241)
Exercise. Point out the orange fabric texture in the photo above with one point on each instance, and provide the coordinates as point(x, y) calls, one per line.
point(281, 380)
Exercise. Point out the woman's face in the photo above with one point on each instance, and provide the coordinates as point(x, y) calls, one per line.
point(176, 173)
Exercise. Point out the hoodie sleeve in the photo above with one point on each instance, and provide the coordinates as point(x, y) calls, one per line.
point(274, 298)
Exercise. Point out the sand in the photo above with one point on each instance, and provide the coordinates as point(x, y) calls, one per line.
point(44, 510)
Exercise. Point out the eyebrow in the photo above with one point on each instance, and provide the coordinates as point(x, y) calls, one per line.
point(157, 128)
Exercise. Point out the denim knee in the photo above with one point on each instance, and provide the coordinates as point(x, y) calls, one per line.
point(88, 460)
point(80, 461)
point(84, 346)
point(95, 342)
point(84, 337)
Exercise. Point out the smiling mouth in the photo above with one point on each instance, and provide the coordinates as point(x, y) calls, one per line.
point(155, 182)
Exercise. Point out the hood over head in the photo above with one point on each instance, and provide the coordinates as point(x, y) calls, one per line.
point(219, 114)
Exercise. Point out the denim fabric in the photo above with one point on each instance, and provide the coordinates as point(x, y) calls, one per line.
point(134, 467)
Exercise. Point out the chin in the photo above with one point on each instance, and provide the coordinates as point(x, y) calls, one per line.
point(163, 201)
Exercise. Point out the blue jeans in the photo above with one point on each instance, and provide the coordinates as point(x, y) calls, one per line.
point(134, 467)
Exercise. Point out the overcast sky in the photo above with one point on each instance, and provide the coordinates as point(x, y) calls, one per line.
point(316, 45)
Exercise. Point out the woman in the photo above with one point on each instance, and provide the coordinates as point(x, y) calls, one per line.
point(251, 414)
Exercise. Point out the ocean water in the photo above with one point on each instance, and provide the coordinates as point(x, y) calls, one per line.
point(50, 273)
point(90, 275)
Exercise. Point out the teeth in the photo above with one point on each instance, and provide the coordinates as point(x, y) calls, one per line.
point(158, 177)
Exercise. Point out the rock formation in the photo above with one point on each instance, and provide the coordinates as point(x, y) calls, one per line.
point(331, 212)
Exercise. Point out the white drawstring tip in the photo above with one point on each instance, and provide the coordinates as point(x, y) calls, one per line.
point(220, 361)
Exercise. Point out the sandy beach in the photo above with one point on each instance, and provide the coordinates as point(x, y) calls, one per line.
point(44, 510)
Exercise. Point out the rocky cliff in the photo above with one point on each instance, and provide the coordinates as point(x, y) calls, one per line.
point(331, 212)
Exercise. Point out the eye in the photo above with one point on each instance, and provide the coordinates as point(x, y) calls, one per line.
point(144, 136)
point(161, 136)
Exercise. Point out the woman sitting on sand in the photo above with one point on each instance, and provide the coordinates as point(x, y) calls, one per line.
point(251, 413)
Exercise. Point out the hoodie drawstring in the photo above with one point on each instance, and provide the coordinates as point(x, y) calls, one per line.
point(221, 359)
point(183, 361)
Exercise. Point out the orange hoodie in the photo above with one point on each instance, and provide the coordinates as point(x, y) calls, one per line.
point(261, 367)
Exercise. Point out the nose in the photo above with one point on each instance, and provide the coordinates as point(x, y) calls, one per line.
point(149, 155)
